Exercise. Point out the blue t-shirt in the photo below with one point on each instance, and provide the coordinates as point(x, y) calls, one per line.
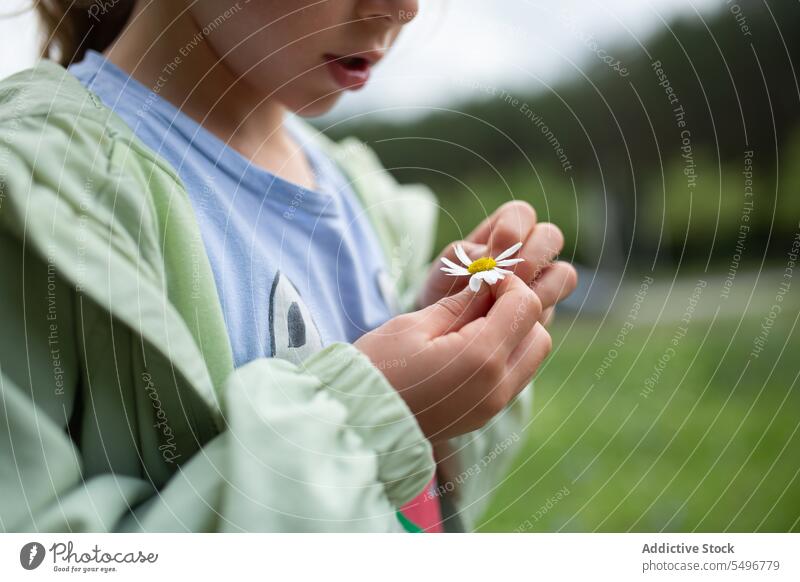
point(295, 269)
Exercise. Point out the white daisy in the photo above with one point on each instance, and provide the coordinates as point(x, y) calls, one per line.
point(484, 269)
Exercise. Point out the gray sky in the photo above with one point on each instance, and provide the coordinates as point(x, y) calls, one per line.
point(457, 48)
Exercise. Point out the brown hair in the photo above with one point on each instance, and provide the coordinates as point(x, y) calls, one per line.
point(73, 26)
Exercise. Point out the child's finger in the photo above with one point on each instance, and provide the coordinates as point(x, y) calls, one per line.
point(528, 356)
point(512, 222)
point(451, 313)
point(556, 283)
point(547, 316)
point(539, 250)
point(515, 310)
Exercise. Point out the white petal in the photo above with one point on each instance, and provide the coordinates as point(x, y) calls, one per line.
point(450, 263)
point(508, 252)
point(503, 271)
point(491, 277)
point(509, 262)
point(462, 256)
point(456, 271)
point(475, 282)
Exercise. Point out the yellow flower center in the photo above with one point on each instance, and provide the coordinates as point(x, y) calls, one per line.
point(482, 264)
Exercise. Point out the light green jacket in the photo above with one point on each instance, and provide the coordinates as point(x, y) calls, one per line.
point(120, 409)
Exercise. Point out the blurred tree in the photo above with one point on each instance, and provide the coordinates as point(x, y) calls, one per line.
point(736, 91)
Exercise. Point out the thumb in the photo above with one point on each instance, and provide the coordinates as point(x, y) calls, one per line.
point(451, 313)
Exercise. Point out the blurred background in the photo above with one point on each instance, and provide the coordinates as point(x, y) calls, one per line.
point(663, 137)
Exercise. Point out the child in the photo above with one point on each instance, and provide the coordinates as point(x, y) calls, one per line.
point(203, 298)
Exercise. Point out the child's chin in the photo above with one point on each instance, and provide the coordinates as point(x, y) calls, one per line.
point(315, 105)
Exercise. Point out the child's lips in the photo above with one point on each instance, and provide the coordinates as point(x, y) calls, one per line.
point(349, 72)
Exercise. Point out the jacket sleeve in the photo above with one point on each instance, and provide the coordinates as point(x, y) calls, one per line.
point(325, 446)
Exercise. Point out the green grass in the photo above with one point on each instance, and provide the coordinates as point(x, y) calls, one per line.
point(714, 447)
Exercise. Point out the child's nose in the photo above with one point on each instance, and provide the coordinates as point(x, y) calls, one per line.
point(399, 12)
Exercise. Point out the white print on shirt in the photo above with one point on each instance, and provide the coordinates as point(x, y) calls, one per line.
point(293, 334)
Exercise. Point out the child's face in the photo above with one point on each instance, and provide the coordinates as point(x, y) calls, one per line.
point(298, 51)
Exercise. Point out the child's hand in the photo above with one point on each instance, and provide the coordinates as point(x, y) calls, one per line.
point(460, 361)
point(511, 223)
